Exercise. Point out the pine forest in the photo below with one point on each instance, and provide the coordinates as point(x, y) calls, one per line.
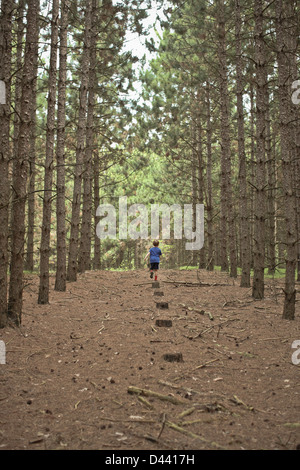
point(112, 110)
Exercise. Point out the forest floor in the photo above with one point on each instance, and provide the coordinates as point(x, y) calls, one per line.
point(88, 371)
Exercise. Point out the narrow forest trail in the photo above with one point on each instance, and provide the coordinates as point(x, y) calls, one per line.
point(87, 371)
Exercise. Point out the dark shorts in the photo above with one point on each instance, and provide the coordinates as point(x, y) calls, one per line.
point(154, 265)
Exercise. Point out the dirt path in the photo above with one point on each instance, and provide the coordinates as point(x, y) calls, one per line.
point(88, 371)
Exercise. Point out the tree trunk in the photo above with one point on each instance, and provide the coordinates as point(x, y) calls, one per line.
point(223, 250)
point(227, 209)
point(80, 147)
point(5, 77)
point(97, 244)
point(43, 297)
point(259, 203)
point(209, 204)
point(29, 262)
point(252, 171)
point(194, 254)
point(283, 25)
point(20, 28)
point(18, 75)
point(243, 209)
point(297, 184)
point(60, 278)
point(270, 195)
point(21, 169)
point(84, 259)
point(202, 263)
point(294, 19)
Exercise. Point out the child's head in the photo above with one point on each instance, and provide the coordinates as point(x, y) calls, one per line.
point(155, 243)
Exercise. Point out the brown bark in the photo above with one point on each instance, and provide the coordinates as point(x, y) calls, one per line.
point(194, 179)
point(5, 76)
point(84, 258)
point(297, 185)
point(97, 244)
point(80, 148)
point(294, 29)
point(20, 30)
point(43, 297)
point(200, 178)
point(252, 171)
point(243, 193)
point(29, 262)
point(60, 277)
point(18, 73)
point(259, 203)
point(284, 57)
point(209, 203)
point(227, 208)
point(21, 169)
point(270, 195)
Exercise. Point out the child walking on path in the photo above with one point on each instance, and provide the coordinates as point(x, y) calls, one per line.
point(155, 254)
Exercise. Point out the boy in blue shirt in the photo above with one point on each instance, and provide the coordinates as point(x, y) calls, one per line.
point(155, 254)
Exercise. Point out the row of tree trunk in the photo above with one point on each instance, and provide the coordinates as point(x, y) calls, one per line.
point(255, 219)
point(254, 230)
point(23, 167)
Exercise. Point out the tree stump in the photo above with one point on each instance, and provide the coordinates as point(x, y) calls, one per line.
point(158, 293)
point(166, 323)
point(174, 357)
point(162, 305)
point(155, 284)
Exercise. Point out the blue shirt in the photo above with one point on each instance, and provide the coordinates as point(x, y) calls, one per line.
point(154, 254)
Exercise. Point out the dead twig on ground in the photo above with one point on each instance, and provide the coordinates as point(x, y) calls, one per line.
point(184, 389)
point(196, 368)
point(145, 402)
point(143, 283)
point(175, 426)
point(37, 352)
point(162, 426)
point(196, 284)
point(238, 401)
point(213, 326)
point(150, 393)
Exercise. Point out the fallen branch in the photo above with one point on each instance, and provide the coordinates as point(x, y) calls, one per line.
point(150, 393)
point(145, 402)
point(166, 444)
point(162, 426)
point(142, 283)
point(191, 434)
point(160, 340)
point(206, 363)
point(273, 339)
point(211, 327)
point(195, 284)
point(37, 352)
point(187, 412)
point(238, 401)
point(184, 389)
point(198, 367)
